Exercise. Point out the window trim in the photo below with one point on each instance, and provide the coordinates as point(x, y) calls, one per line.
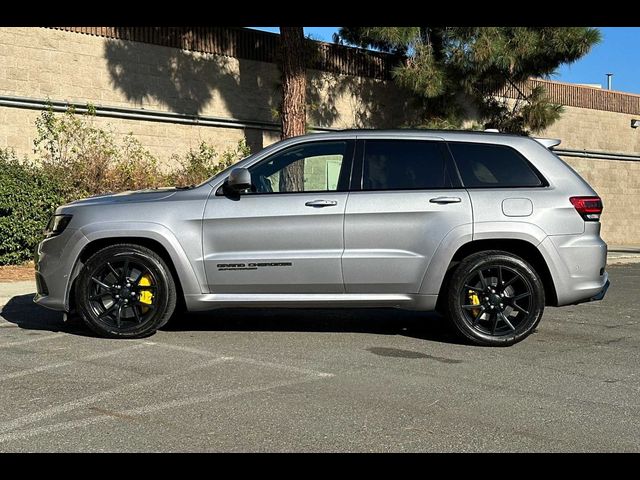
point(347, 168)
point(543, 181)
point(357, 180)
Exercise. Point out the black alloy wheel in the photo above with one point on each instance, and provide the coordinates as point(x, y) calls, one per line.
point(495, 298)
point(125, 291)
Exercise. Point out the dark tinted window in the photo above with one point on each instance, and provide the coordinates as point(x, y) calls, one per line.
point(404, 164)
point(484, 165)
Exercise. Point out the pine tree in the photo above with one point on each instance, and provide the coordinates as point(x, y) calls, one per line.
point(293, 115)
point(454, 68)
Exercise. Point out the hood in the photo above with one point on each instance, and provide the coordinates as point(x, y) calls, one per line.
point(148, 195)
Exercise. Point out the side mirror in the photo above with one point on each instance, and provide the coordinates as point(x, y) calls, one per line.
point(239, 179)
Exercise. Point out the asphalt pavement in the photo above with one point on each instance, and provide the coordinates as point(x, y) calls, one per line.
point(324, 380)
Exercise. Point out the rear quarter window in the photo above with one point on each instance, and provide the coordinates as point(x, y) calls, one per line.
point(484, 166)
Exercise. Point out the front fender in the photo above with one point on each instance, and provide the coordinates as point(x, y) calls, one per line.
point(190, 275)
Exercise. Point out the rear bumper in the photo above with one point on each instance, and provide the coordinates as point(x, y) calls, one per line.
point(600, 295)
point(577, 264)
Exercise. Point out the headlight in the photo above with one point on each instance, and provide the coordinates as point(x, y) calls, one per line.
point(56, 225)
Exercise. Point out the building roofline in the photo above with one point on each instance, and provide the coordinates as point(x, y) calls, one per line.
point(586, 87)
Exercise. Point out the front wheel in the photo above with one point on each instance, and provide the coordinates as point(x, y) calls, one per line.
point(125, 291)
point(495, 298)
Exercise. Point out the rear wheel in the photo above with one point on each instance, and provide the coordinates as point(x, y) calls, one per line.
point(125, 291)
point(495, 298)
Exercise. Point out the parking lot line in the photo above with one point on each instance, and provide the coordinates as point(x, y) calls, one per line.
point(33, 340)
point(96, 397)
point(51, 366)
point(280, 366)
point(102, 417)
point(9, 430)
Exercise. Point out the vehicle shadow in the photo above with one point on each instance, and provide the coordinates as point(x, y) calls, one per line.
point(21, 311)
point(378, 321)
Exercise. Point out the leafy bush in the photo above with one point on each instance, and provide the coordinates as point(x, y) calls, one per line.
point(87, 160)
point(133, 168)
point(198, 165)
point(76, 159)
point(27, 198)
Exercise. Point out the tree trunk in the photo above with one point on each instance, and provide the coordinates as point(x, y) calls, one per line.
point(434, 36)
point(293, 116)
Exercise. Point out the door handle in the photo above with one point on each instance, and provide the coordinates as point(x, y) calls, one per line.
point(443, 200)
point(321, 203)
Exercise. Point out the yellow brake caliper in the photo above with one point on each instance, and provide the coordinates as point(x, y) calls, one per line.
point(146, 296)
point(474, 300)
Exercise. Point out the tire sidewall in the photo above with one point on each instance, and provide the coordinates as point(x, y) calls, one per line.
point(472, 264)
point(164, 293)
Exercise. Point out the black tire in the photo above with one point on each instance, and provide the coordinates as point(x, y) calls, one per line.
point(125, 312)
point(495, 298)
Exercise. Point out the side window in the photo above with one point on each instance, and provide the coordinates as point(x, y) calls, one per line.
point(486, 165)
point(310, 167)
point(404, 165)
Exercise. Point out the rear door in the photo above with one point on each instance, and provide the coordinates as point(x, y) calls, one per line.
point(403, 202)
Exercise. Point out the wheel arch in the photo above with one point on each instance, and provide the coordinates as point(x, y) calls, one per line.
point(522, 248)
point(185, 277)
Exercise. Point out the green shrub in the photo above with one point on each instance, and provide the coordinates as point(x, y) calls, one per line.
point(134, 168)
point(27, 199)
point(198, 165)
point(86, 160)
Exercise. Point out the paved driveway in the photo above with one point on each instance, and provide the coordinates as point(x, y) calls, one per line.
point(361, 380)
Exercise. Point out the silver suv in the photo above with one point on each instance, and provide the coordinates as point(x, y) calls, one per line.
point(486, 228)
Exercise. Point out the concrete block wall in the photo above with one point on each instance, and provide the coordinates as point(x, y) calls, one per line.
point(617, 182)
point(65, 66)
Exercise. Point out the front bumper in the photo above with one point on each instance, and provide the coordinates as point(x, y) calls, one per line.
point(55, 259)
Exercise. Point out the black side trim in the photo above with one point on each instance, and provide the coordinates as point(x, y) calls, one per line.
point(356, 173)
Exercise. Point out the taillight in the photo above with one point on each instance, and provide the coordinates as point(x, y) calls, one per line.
point(589, 208)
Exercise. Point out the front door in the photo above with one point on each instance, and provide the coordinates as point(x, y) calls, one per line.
point(285, 235)
point(409, 198)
